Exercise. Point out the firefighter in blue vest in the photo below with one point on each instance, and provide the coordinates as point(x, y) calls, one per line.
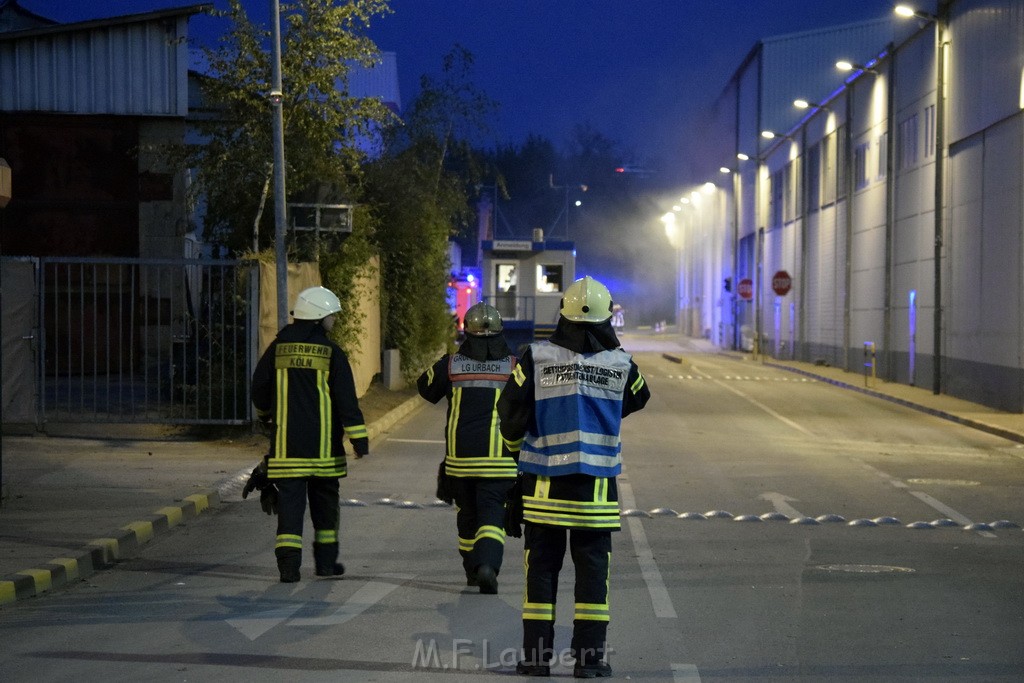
point(479, 468)
point(562, 411)
point(303, 387)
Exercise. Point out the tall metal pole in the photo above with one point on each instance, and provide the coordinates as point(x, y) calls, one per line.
point(940, 138)
point(280, 215)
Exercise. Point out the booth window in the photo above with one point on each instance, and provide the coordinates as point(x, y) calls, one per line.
point(549, 278)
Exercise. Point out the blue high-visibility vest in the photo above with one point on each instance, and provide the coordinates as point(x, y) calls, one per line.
point(578, 412)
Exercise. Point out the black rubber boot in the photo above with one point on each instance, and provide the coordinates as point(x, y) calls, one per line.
point(288, 564)
point(326, 555)
point(538, 641)
point(487, 579)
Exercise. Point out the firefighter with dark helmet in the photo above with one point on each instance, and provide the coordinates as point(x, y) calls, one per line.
point(562, 411)
point(478, 467)
point(303, 387)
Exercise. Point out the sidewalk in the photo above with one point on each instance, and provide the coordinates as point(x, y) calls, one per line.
point(74, 505)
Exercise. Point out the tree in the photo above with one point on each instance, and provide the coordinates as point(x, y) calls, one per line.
point(321, 43)
point(419, 190)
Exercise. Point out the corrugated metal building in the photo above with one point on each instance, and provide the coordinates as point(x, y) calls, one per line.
point(83, 106)
point(845, 201)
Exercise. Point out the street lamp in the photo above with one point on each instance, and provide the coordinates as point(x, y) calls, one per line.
point(847, 66)
point(804, 104)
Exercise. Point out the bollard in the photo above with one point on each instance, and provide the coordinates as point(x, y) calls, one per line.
point(869, 362)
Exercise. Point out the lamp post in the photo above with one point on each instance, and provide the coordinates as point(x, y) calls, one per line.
point(280, 208)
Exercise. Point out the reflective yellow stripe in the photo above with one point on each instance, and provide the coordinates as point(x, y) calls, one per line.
point(430, 375)
point(453, 419)
point(588, 611)
point(466, 544)
point(601, 490)
point(541, 489)
point(540, 611)
point(289, 541)
point(326, 536)
point(572, 506)
point(491, 532)
point(280, 450)
point(639, 383)
point(495, 433)
point(586, 522)
point(513, 446)
point(357, 432)
point(324, 392)
point(519, 375)
point(480, 467)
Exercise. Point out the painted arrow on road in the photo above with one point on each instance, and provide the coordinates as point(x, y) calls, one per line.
point(781, 503)
point(254, 626)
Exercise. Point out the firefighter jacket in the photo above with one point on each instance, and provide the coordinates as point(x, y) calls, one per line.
point(472, 380)
point(303, 384)
point(562, 410)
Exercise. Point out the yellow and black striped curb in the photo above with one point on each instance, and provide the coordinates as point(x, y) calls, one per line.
point(101, 553)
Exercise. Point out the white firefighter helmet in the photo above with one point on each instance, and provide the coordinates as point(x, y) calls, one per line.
point(482, 320)
point(315, 303)
point(586, 301)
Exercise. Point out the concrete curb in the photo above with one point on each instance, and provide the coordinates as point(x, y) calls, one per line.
point(126, 542)
point(101, 553)
point(966, 421)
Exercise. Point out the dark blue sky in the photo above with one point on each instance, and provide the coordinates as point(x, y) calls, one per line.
point(635, 70)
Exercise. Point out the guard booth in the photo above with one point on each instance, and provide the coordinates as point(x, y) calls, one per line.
point(524, 280)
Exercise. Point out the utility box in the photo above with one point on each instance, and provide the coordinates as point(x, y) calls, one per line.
point(525, 280)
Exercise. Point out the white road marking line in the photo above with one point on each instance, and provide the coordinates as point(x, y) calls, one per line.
point(685, 673)
point(931, 502)
point(784, 420)
point(660, 599)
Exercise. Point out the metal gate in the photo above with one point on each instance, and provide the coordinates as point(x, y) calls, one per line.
point(141, 340)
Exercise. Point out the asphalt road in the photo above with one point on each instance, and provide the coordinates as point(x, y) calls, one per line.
point(706, 586)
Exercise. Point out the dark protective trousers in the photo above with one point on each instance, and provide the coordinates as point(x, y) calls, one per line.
point(322, 493)
point(591, 552)
point(480, 520)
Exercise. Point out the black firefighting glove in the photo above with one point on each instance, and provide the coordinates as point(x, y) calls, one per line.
point(444, 487)
point(268, 499)
point(361, 447)
point(258, 480)
point(514, 509)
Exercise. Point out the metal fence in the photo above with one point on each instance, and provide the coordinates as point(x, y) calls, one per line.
point(146, 340)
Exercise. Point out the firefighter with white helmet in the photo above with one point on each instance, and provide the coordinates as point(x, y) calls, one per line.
point(478, 468)
point(309, 424)
point(561, 411)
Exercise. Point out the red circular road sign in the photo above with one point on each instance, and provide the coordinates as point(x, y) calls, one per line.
point(746, 289)
point(781, 282)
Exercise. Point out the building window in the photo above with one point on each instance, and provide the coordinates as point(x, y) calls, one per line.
point(776, 198)
point(813, 178)
point(860, 166)
point(883, 155)
point(908, 143)
point(828, 169)
point(929, 131)
point(549, 277)
point(842, 159)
